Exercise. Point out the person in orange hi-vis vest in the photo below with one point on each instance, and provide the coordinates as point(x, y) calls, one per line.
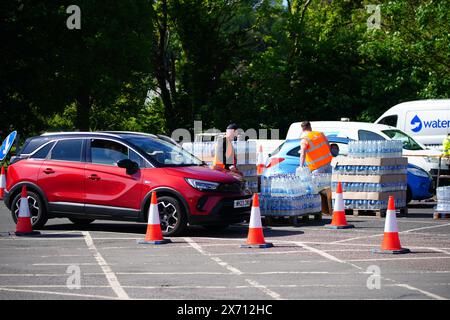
point(225, 155)
point(315, 150)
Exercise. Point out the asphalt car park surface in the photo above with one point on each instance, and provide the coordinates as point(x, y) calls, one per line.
point(306, 262)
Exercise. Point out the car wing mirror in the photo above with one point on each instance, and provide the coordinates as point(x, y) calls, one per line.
point(130, 166)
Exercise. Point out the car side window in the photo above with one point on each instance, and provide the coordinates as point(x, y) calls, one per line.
point(294, 152)
point(67, 150)
point(369, 135)
point(137, 158)
point(107, 152)
point(43, 152)
point(389, 120)
point(33, 144)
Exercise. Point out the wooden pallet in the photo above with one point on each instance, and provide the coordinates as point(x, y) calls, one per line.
point(441, 215)
point(294, 220)
point(378, 213)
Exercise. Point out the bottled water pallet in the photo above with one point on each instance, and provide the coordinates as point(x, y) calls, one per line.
point(380, 213)
point(441, 215)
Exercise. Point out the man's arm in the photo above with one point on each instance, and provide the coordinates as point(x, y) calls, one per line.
point(326, 139)
point(303, 146)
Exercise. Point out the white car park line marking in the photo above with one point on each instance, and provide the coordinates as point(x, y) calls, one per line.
point(424, 228)
point(395, 259)
point(110, 276)
point(429, 294)
point(440, 250)
point(64, 264)
point(319, 252)
point(381, 234)
point(406, 286)
point(233, 270)
point(57, 293)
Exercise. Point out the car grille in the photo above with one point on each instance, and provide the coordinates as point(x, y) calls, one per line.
point(232, 187)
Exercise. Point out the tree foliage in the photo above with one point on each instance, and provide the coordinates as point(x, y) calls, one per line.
point(159, 65)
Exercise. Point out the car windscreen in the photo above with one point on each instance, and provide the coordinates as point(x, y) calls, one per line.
point(164, 154)
point(408, 142)
point(274, 152)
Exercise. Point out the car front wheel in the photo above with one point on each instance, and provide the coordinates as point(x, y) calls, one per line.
point(171, 215)
point(37, 210)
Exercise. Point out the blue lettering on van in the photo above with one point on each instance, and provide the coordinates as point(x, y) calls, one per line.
point(428, 124)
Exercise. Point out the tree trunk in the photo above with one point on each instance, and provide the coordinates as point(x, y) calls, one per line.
point(83, 110)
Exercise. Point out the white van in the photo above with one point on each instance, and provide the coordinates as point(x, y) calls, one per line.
point(428, 121)
point(416, 152)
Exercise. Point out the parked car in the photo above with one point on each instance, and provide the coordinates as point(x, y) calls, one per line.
point(110, 175)
point(286, 160)
point(417, 153)
point(427, 121)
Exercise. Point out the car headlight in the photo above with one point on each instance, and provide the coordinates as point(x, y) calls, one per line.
point(432, 160)
point(419, 173)
point(203, 185)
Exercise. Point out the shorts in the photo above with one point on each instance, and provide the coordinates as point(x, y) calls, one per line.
point(324, 169)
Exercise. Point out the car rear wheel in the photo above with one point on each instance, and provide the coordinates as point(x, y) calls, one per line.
point(171, 215)
point(37, 211)
point(81, 222)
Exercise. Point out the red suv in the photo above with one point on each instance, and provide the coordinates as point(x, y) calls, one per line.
point(110, 175)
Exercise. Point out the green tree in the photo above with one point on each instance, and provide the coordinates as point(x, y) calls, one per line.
point(409, 56)
point(49, 67)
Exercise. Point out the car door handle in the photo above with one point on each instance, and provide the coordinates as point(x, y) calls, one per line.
point(49, 171)
point(94, 177)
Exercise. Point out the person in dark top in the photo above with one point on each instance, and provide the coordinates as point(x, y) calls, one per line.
point(225, 155)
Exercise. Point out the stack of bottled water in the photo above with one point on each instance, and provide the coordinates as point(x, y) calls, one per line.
point(370, 170)
point(321, 181)
point(371, 187)
point(201, 150)
point(252, 185)
point(372, 204)
point(288, 195)
point(249, 172)
point(375, 149)
point(443, 199)
point(245, 150)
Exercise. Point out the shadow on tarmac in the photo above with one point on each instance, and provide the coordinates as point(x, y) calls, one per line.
point(233, 231)
point(421, 205)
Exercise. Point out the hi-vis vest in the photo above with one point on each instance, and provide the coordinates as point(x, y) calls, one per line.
point(446, 146)
point(224, 155)
point(318, 153)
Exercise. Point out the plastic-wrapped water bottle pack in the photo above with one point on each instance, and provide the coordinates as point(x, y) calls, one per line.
point(371, 187)
point(290, 206)
point(371, 204)
point(443, 199)
point(370, 170)
point(321, 181)
point(287, 185)
point(375, 149)
point(289, 194)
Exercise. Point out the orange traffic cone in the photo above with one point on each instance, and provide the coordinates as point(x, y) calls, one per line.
point(24, 227)
point(2, 183)
point(339, 221)
point(260, 161)
point(391, 241)
point(255, 237)
point(154, 233)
